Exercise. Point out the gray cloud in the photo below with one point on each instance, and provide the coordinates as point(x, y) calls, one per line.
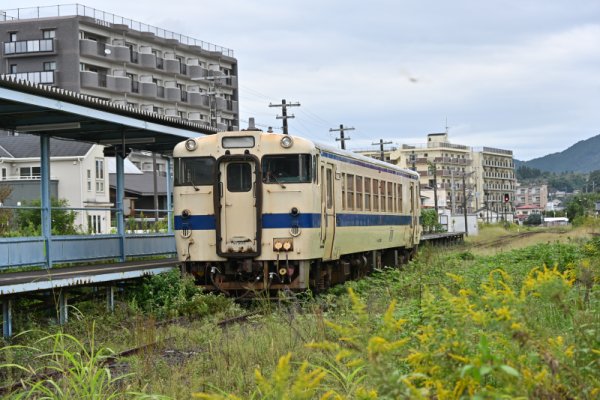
point(521, 75)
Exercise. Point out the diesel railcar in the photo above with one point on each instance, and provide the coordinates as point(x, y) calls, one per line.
point(267, 211)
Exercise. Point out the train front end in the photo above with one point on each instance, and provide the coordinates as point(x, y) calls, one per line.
point(247, 212)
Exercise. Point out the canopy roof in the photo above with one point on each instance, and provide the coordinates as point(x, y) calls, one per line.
point(47, 110)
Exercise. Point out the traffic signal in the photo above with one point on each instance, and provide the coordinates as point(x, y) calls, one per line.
point(506, 197)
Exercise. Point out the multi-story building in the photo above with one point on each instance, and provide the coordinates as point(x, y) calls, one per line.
point(533, 195)
point(483, 177)
point(447, 164)
point(497, 180)
point(127, 62)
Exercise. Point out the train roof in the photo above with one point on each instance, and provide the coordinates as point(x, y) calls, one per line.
point(360, 157)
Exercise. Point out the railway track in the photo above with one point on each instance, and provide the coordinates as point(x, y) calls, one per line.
point(114, 362)
point(502, 241)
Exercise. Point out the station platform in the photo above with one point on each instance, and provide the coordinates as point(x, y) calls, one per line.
point(16, 283)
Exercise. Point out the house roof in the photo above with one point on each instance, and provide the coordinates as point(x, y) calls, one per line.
point(527, 207)
point(142, 184)
point(28, 146)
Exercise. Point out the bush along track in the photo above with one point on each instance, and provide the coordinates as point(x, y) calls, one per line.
point(521, 324)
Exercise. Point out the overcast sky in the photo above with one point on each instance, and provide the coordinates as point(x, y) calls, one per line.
point(521, 75)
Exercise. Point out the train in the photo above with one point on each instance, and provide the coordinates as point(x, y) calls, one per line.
point(260, 211)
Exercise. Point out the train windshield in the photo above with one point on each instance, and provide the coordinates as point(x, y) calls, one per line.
point(194, 171)
point(287, 168)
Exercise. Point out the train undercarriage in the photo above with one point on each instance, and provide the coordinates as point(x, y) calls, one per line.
point(246, 276)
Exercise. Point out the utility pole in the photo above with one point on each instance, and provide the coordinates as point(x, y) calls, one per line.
point(211, 93)
point(464, 188)
point(284, 115)
point(381, 152)
point(452, 191)
point(341, 139)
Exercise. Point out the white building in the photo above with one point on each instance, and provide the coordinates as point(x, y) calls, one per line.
point(78, 174)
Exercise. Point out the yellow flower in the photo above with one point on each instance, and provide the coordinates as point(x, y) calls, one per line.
point(459, 358)
point(503, 313)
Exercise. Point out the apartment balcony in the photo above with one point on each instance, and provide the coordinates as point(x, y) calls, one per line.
point(498, 175)
point(147, 60)
point(198, 99)
point(114, 53)
point(43, 77)
point(148, 89)
point(452, 160)
point(29, 46)
point(172, 65)
point(230, 81)
point(94, 80)
point(196, 71)
point(172, 93)
point(498, 164)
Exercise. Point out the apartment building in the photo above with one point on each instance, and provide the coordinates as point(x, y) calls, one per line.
point(124, 61)
point(447, 164)
point(484, 177)
point(533, 195)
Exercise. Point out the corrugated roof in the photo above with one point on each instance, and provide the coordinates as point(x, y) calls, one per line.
point(28, 146)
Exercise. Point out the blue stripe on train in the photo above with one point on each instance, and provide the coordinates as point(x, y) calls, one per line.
point(195, 223)
point(274, 221)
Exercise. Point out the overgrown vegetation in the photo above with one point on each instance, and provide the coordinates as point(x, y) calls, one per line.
point(430, 221)
point(452, 324)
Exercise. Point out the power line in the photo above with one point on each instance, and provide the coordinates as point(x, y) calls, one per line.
point(284, 115)
point(341, 139)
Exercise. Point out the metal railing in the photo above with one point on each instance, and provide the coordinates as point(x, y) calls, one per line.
point(29, 46)
point(106, 19)
point(44, 77)
point(86, 239)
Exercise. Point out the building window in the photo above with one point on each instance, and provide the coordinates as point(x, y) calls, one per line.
point(4, 174)
point(49, 65)
point(12, 36)
point(49, 33)
point(89, 180)
point(29, 172)
point(94, 224)
point(12, 69)
point(99, 175)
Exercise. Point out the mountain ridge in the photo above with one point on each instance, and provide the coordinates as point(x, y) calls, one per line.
point(583, 156)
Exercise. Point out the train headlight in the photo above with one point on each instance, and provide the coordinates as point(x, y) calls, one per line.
point(191, 144)
point(287, 142)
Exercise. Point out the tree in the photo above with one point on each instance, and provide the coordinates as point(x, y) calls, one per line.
point(533, 219)
point(5, 214)
point(30, 220)
point(429, 220)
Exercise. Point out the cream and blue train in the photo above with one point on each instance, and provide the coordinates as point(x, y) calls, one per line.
point(256, 211)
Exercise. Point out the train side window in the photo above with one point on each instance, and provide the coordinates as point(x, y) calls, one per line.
point(375, 195)
point(382, 195)
point(367, 194)
point(359, 193)
point(194, 171)
point(390, 197)
point(350, 191)
point(343, 191)
point(399, 198)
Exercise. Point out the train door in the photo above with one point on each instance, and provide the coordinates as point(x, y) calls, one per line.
point(414, 207)
point(238, 230)
point(327, 209)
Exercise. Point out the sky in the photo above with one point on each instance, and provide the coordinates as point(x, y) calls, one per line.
point(519, 75)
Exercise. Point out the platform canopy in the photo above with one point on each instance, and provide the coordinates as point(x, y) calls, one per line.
point(47, 110)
